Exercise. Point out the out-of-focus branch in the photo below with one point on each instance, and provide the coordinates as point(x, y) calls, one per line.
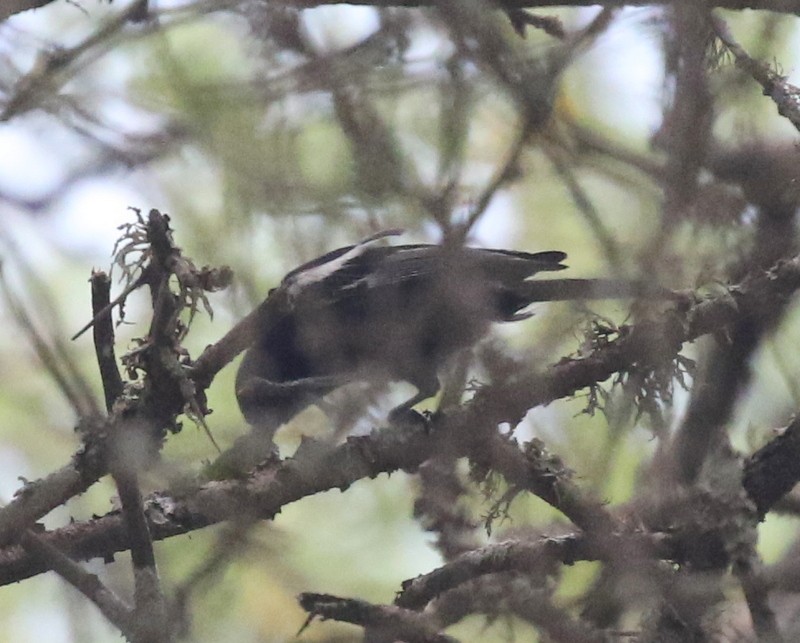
point(785, 95)
point(539, 558)
point(50, 73)
point(461, 432)
point(686, 124)
point(165, 392)
point(438, 508)
point(149, 602)
point(12, 7)
point(51, 349)
point(748, 569)
point(480, 36)
point(149, 605)
point(231, 542)
point(316, 468)
point(778, 6)
point(580, 197)
point(526, 597)
point(112, 607)
point(386, 622)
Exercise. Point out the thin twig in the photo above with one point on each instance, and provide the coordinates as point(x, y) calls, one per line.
point(390, 450)
point(54, 356)
point(104, 339)
point(785, 95)
point(387, 621)
point(112, 607)
point(747, 568)
point(610, 247)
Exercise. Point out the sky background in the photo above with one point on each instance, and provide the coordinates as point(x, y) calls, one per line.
point(60, 210)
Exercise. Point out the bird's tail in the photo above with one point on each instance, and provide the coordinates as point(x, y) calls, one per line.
point(524, 293)
point(576, 289)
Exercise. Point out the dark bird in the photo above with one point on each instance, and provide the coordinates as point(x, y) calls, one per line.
point(368, 312)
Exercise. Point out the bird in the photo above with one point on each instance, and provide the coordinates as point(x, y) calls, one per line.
point(380, 313)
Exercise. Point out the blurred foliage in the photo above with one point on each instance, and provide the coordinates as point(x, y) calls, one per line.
point(225, 119)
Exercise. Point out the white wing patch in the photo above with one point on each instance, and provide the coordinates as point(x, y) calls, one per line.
point(298, 282)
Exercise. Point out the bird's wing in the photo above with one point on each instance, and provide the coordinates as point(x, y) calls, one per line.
point(348, 271)
point(353, 270)
point(320, 269)
point(492, 266)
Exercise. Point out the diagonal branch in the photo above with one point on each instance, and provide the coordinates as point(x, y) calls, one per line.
point(460, 433)
point(152, 409)
point(386, 622)
point(785, 95)
point(112, 607)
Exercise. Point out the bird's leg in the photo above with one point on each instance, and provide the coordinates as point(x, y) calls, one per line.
point(268, 405)
point(427, 386)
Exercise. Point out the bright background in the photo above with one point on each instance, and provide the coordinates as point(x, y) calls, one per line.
point(262, 181)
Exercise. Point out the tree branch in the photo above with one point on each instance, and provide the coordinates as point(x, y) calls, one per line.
point(462, 432)
point(387, 622)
